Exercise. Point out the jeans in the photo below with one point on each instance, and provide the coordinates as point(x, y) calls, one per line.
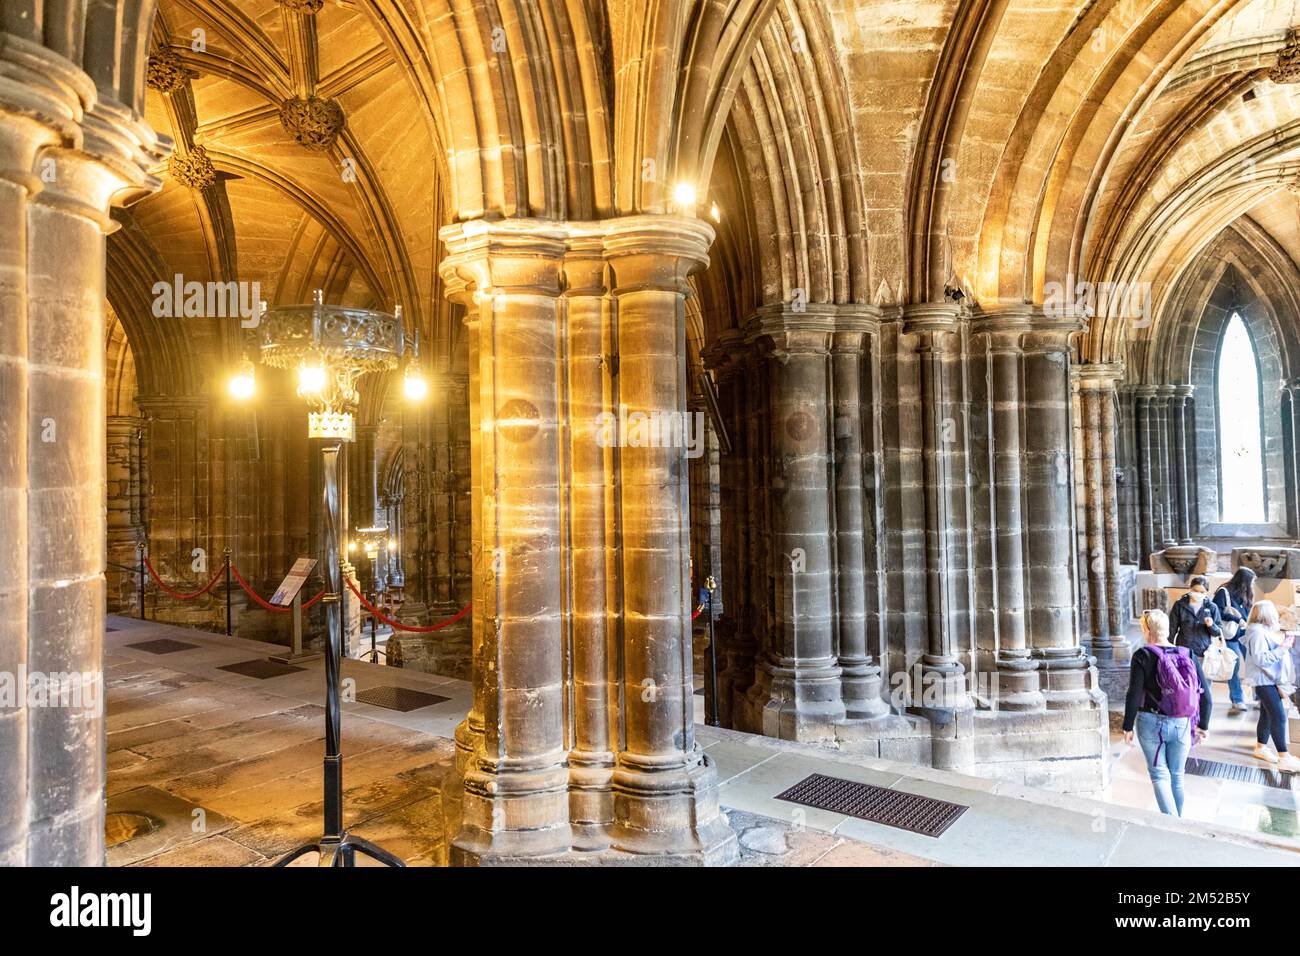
point(1272, 718)
point(1234, 682)
point(1165, 742)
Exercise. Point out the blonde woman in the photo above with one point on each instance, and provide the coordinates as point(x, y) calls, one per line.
point(1270, 668)
point(1167, 708)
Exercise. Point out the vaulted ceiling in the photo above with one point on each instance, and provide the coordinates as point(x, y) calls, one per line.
point(859, 152)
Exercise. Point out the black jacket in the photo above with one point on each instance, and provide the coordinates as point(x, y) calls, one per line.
point(1187, 624)
point(1144, 689)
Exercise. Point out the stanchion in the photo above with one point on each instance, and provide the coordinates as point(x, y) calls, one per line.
point(710, 585)
point(226, 552)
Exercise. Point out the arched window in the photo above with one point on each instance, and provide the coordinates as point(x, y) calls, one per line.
point(1241, 462)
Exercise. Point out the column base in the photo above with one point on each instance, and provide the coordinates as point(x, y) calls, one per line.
point(803, 701)
point(511, 814)
point(860, 687)
point(1018, 686)
point(591, 799)
point(671, 813)
point(1069, 679)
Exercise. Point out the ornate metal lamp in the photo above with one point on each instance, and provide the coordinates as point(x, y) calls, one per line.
point(331, 347)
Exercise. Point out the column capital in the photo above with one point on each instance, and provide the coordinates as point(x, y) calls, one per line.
point(932, 317)
point(488, 256)
point(1099, 375)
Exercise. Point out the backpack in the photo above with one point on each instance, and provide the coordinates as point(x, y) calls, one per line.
point(1180, 687)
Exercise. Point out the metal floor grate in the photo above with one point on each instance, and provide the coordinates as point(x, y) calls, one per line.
point(163, 645)
point(398, 698)
point(261, 668)
point(893, 808)
point(1239, 773)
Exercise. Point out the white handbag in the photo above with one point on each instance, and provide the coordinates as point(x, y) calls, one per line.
point(1219, 662)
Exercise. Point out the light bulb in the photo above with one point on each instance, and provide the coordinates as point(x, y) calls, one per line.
point(684, 195)
point(242, 384)
point(414, 385)
point(311, 380)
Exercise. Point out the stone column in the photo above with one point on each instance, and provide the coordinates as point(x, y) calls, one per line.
point(65, 156)
point(857, 580)
point(1097, 393)
point(943, 697)
point(1161, 413)
point(1181, 458)
point(802, 675)
point(1066, 673)
point(512, 747)
point(568, 322)
point(1147, 462)
point(1192, 515)
point(1017, 671)
point(592, 533)
point(735, 633)
point(665, 790)
point(1290, 404)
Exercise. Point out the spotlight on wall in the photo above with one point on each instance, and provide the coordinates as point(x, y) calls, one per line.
point(715, 213)
point(242, 384)
point(684, 195)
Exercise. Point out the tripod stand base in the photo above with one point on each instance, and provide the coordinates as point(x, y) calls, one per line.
point(342, 852)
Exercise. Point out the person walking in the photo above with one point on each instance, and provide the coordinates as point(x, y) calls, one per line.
point(1194, 622)
point(1270, 668)
point(1234, 601)
point(1167, 709)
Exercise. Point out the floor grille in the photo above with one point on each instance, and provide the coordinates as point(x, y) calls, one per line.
point(1240, 773)
point(163, 645)
point(398, 698)
point(893, 808)
point(261, 668)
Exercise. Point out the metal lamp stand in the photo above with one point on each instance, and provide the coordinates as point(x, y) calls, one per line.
point(336, 847)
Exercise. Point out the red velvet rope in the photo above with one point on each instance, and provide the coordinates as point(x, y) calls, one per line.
point(405, 627)
point(266, 604)
point(177, 594)
point(697, 612)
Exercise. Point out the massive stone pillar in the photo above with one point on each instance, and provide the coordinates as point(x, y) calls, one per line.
point(66, 155)
point(1050, 553)
point(1100, 530)
point(515, 782)
point(943, 697)
point(856, 437)
point(665, 792)
point(1017, 671)
point(567, 321)
point(802, 673)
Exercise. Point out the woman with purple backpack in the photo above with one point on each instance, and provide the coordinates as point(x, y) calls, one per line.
point(1168, 707)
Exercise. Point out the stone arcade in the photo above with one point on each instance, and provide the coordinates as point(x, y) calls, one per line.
point(921, 308)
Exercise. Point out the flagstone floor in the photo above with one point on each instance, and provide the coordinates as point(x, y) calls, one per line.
point(212, 767)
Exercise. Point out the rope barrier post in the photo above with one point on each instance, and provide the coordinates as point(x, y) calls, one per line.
point(139, 551)
point(297, 624)
point(710, 584)
point(226, 552)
